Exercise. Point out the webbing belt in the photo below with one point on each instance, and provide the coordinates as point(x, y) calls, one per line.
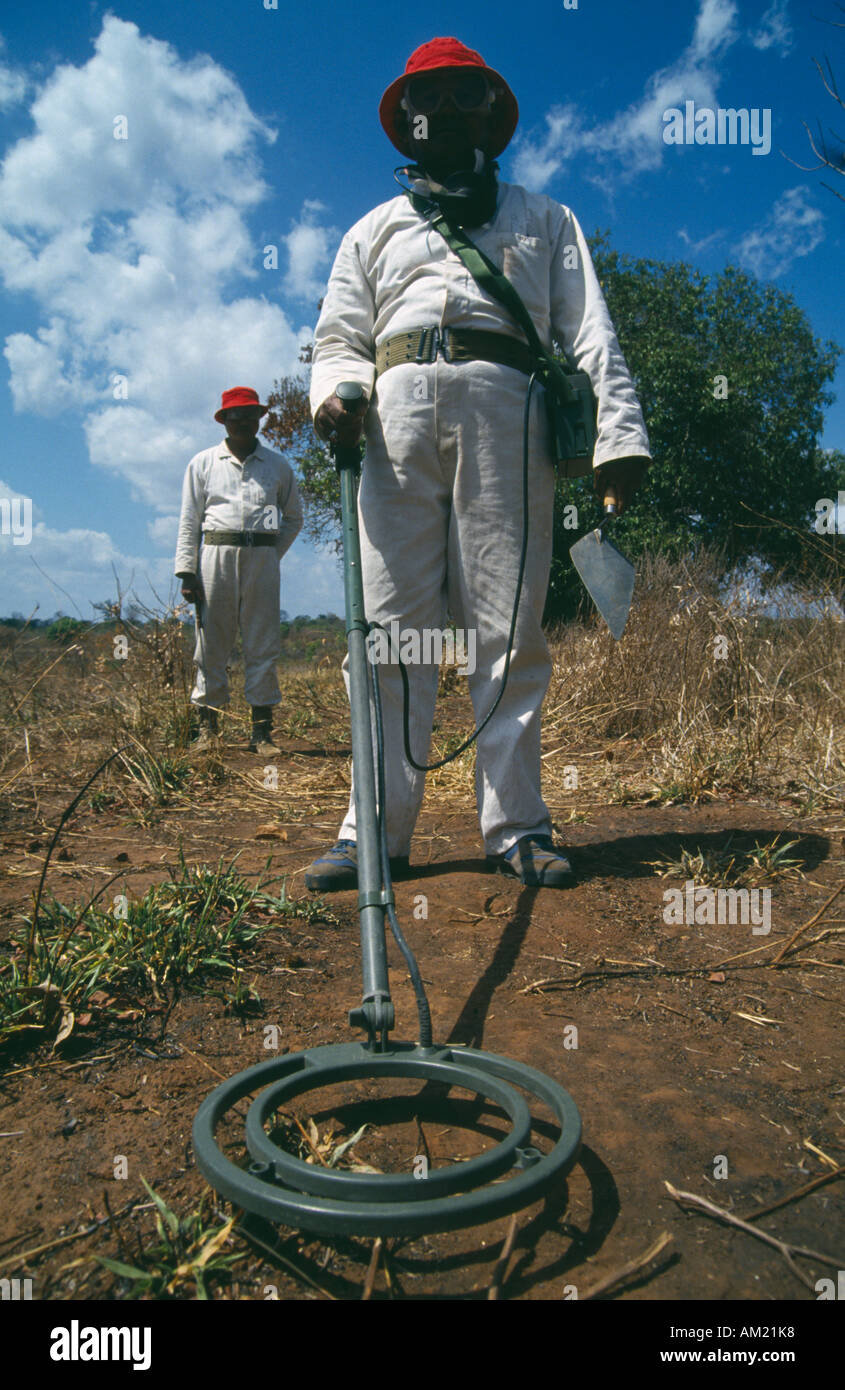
point(239, 538)
point(454, 345)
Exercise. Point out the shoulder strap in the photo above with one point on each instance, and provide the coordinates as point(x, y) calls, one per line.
point(495, 283)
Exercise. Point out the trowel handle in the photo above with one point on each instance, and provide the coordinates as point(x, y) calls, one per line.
point(611, 501)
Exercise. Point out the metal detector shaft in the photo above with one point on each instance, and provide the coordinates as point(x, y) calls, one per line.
point(198, 604)
point(512, 1173)
point(376, 1013)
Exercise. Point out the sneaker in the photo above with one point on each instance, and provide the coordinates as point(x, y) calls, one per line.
point(339, 868)
point(536, 862)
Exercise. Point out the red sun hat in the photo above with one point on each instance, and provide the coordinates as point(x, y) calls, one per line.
point(239, 395)
point(451, 53)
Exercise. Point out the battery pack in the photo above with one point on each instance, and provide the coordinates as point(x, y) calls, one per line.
point(573, 426)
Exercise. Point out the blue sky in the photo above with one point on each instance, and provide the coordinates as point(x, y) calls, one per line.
point(247, 126)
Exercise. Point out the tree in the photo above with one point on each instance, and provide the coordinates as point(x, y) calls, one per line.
point(828, 156)
point(65, 630)
point(733, 385)
point(288, 427)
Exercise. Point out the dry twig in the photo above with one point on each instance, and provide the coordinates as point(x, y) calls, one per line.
point(797, 1194)
point(787, 946)
point(372, 1270)
point(630, 1267)
point(284, 1261)
point(501, 1264)
point(786, 1248)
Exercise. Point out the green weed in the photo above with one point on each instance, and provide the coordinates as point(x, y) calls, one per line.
point(187, 1259)
point(723, 868)
point(179, 933)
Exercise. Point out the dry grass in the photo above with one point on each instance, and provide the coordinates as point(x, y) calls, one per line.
point(704, 696)
point(715, 696)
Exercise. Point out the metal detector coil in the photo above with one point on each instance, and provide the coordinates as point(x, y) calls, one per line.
point(280, 1187)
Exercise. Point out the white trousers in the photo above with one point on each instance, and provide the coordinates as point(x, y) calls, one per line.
point(441, 516)
point(241, 588)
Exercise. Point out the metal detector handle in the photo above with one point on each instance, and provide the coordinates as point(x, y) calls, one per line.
point(350, 394)
point(376, 1013)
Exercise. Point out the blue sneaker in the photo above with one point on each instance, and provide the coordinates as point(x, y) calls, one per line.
point(536, 862)
point(338, 869)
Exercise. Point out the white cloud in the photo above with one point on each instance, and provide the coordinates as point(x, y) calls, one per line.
point(13, 83)
point(703, 243)
point(163, 531)
point(68, 571)
point(793, 228)
point(188, 128)
point(537, 161)
point(775, 31)
point(76, 568)
point(140, 259)
point(136, 251)
point(311, 581)
point(715, 27)
point(12, 494)
point(43, 376)
point(631, 141)
point(310, 249)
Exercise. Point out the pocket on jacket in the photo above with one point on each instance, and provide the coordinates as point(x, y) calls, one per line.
point(525, 261)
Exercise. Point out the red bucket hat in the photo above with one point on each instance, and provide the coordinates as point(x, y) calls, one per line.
point(239, 395)
point(451, 53)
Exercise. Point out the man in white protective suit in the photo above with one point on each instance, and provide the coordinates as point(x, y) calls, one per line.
point(241, 512)
point(444, 367)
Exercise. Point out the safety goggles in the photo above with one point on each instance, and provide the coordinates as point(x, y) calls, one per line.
point(243, 412)
point(469, 90)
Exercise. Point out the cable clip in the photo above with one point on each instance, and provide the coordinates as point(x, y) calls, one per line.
point(383, 897)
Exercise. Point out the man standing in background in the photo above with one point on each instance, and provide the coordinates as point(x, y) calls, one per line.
point(241, 512)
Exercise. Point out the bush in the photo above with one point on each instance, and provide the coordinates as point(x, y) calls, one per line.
point(66, 630)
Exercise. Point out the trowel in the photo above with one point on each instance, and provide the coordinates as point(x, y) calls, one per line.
point(607, 576)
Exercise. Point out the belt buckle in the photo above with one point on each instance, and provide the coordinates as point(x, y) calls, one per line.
point(432, 346)
point(249, 538)
point(446, 344)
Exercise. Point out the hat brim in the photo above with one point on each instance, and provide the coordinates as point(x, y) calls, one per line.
point(252, 405)
point(505, 115)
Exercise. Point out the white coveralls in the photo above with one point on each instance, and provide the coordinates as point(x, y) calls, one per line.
point(240, 582)
point(440, 501)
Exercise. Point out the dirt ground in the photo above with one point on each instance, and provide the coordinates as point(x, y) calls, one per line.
point(694, 1056)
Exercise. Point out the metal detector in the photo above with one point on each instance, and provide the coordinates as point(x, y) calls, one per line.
point(272, 1182)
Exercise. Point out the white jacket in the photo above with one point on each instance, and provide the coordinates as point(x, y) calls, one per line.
point(393, 272)
point(220, 493)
